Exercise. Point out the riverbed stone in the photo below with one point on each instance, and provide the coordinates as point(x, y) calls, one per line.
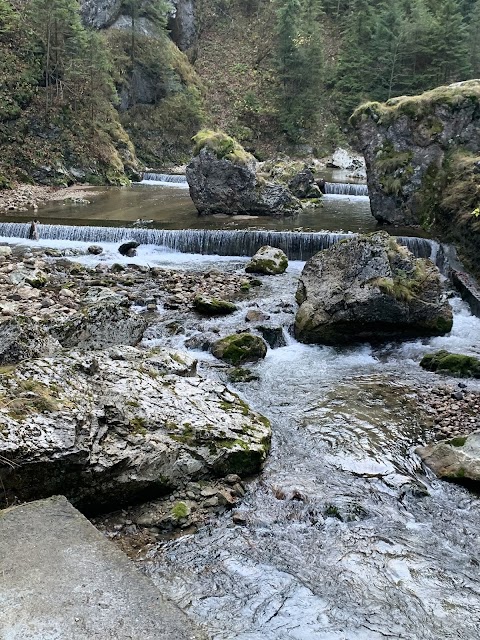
point(108, 428)
point(370, 288)
point(209, 306)
point(457, 459)
point(240, 348)
point(268, 261)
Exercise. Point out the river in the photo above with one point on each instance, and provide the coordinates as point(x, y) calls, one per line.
point(347, 537)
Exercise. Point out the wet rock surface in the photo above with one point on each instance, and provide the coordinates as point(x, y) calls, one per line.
point(369, 288)
point(457, 460)
point(119, 425)
point(268, 261)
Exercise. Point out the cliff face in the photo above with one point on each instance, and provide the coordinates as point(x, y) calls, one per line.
point(423, 162)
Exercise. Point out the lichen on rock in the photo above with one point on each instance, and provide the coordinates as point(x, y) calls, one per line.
point(268, 261)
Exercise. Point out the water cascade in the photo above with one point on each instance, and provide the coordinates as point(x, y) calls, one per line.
point(165, 179)
point(297, 246)
point(345, 189)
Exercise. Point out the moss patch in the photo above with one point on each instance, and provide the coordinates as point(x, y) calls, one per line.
point(240, 348)
point(452, 364)
point(222, 145)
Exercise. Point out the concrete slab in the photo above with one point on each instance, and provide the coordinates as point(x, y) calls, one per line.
point(60, 579)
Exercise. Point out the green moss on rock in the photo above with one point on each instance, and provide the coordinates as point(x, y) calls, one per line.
point(222, 145)
point(240, 348)
point(452, 364)
point(213, 306)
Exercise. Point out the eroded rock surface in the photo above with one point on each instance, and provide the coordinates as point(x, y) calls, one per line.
point(115, 426)
point(268, 261)
point(369, 288)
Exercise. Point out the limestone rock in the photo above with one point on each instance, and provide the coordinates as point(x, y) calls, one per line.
point(457, 460)
point(21, 338)
point(407, 141)
point(100, 325)
point(240, 348)
point(222, 178)
point(213, 306)
point(95, 250)
point(269, 261)
point(369, 288)
point(109, 428)
point(347, 160)
point(100, 13)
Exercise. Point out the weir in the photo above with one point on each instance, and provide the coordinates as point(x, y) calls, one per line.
point(297, 246)
point(345, 189)
point(165, 178)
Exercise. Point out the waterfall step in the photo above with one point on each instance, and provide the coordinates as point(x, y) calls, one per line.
point(61, 578)
point(297, 245)
point(165, 179)
point(345, 189)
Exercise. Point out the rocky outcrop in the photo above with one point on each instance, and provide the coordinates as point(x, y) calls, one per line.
point(222, 178)
point(369, 288)
point(269, 261)
point(346, 160)
point(240, 348)
point(457, 460)
point(100, 13)
point(183, 24)
point(111, 427)
point(408, 144)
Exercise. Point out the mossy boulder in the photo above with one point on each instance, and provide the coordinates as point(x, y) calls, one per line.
point(408, 143)
point(239, 349)
point(269, 261)
point(223, 178)
point(452, 364)
point(371, 289)
point(213, 306)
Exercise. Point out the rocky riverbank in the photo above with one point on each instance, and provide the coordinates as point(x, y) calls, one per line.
point(27, 197)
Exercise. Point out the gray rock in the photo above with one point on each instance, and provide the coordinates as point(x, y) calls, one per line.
point(369, 288)
point(273, 336)
point(124, 248)
point(213, 306)
point(95, 250)
point(100, 13)
point(101, 325)
point(220, 185)
point(302, 184)
point(183, 24)
point(406, 143)
point(239, 348)
point(457, 460)
point(22, 338)
point(268, 261)
point(109, 437)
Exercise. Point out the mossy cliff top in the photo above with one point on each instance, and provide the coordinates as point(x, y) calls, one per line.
point(223, 146)
point(454, 97)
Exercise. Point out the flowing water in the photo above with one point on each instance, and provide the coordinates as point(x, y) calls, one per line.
point(347, 537)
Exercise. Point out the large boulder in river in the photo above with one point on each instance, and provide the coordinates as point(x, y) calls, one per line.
point(111, 427)
point(457, 460)
point(269, 261)
point(223, 179)
point(454, 364)
point(423, 158)
point(369, 288)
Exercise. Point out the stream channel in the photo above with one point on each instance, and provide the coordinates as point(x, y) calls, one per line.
point(347, 536)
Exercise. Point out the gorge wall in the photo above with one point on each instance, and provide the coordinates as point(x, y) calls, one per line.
point(423, 162)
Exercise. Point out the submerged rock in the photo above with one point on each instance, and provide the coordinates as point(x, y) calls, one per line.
point(452, 364)
point(268, 261)
point(112, 427)
point(239, 349)
point(457, 460)
point(369, 288)
point(213, 306)
point(223, 179)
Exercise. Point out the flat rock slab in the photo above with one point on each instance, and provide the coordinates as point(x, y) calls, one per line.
point(61, 579)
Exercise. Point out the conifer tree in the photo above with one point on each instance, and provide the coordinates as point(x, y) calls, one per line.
point(451, 57)
point(474, 39)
